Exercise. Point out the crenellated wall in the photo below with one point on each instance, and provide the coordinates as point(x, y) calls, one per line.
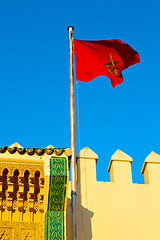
point(119, 209)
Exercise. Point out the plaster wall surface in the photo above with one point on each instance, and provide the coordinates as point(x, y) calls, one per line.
point(118, 209)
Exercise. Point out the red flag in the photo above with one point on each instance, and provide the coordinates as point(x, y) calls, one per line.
point(105, 57)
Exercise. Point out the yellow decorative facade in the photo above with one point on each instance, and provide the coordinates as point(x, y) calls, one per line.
point(119, 209)
point(23, 185)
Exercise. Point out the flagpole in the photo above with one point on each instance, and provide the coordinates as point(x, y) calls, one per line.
point(72, 129)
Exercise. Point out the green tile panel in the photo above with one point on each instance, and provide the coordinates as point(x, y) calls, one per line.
point(55, 215)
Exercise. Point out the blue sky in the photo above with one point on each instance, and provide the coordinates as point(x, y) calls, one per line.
point(34, 76)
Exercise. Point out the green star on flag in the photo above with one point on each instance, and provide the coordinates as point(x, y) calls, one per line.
point(112, 65)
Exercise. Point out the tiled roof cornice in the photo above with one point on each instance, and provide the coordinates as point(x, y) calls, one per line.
point(38, 151)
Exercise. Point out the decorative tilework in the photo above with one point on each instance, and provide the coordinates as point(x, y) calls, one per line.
point(58, 166)
point(54, 217)
point(54, 222)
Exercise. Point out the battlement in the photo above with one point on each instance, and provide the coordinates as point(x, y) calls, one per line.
point(118, 209)
point(119, 166)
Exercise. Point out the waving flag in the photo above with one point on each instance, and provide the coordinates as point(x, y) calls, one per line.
point(103, 58)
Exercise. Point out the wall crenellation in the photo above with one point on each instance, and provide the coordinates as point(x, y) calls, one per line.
point(117, 209)
point(119, 166)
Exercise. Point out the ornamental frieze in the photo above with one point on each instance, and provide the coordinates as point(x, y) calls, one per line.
point(21, 231)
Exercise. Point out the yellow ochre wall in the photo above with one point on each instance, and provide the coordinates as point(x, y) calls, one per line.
point(120, 209)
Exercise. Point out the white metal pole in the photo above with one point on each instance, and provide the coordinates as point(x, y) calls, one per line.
point(72, 127)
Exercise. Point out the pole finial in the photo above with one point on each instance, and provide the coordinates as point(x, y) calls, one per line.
point(70, 27)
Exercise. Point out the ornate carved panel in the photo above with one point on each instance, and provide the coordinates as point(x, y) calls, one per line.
point(6, 233)
point(21, 231)
point(22, 167)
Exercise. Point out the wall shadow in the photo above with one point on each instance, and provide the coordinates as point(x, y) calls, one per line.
point(84, 226)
